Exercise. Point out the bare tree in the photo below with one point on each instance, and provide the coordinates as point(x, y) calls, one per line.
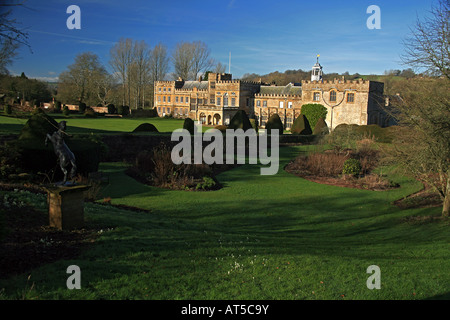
point(140, 69)
point(11, 36)
point(201, 60)
point(182, 60)
point(82, 77)
point(219, 68)
point(428, 45)
point(104, 84)
point(191, 59)
point(159, 63)
point(120, 61)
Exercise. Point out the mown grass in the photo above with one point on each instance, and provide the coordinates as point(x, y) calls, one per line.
point(260, 237)
point(103, 125)
point(79, 124)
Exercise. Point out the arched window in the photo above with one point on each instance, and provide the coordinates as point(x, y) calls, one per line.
point(332, 96)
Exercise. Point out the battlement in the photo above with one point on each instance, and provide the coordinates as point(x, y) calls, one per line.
point(190, 90)
point(228, 81)
point(273, 95)
point(251, 82)
point(160, 82)
point(337, 81)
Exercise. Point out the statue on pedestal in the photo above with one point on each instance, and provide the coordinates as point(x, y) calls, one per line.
point(62, 151)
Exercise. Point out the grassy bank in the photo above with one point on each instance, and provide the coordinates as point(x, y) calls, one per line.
point(260, 237)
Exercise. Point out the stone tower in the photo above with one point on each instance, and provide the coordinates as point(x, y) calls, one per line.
point(316, 74)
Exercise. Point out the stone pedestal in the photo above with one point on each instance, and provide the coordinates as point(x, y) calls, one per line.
point(66, 206)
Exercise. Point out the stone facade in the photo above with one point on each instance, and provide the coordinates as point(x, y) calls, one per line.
point(215, 101)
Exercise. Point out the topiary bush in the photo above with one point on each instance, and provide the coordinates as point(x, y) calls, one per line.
point(144, 113)
point(57, 107)
point(321, 127)
point(274, 123)
point(221, 128)
point(240, 121)
point(90, 113)
point(8, 109)
point(38, 126)
point(111, 108)
point(66, 111)
point(189, 125)
point(35, 157)
point(254, 124)
point(82, 107)
point(351, 167)
point(123, 110)
point(313, 112)
point(146, 127)
point(301, 126)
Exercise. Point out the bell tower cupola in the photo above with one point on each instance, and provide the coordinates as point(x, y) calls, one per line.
point(317, 73)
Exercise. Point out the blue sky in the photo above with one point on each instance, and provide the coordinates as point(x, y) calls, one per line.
point(262, 36)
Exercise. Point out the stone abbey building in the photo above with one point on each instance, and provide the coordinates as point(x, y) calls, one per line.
point(215, 101)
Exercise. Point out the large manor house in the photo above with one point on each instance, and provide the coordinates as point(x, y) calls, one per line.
point(215, 101)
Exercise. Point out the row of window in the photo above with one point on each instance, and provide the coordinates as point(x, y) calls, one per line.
point(176, 111)
point(264, 104)
point(177, 99)
point(185, 100)
point(225, 101)
point(316, 97)
point(333, 98)
point(164, 89)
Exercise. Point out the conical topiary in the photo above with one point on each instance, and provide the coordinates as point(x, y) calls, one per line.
point(38, 126)
point(274, 123)
point(321, 127)
point(301, 126)
point(240, 121)
point(189, 125)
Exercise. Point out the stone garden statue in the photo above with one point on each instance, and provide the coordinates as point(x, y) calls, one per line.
point(62, 151)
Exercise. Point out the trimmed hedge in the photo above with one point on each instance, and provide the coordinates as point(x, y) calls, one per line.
point(189, 125)
point(301, 126)
point(380, 134)
point(36, 157)
point(144, 113)
point(274, 123)
point(82, 107)
point(254, 124)
point(38, 126)
point(123, 110)
point(240, 121)
point(146, 127)
point(90, 113)
point(111, 108)
point(321, 127)
point(314, 112)
point(57, 106)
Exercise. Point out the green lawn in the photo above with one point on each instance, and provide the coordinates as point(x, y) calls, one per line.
point(104, 125)
point(260, 237)
point(77, 124)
